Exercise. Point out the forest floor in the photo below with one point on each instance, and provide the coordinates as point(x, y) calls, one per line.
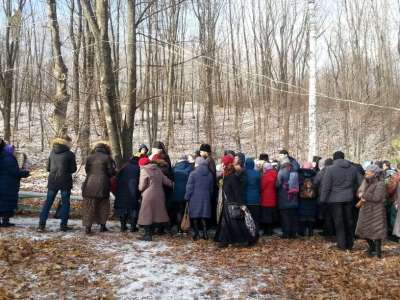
point(114, 265)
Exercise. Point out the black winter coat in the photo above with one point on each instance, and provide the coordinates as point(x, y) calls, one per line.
point(232, 231)
point(127, 196)
point(61, 165)
point(99, 170)
point(340, 182)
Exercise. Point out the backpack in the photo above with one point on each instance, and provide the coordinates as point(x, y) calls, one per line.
point(392, 183)
point(307, 189)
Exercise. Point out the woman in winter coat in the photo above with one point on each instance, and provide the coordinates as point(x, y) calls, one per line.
point(181, 173)
point(252, 195)
point(127, 196)
point(10, 177)
point(288, 188)
point(308, 205)
point(268, 198)
point(371, 223)
point(396, 227)
point(231, 228)
point(199, 191)
point(153, 212)
point(96, 187)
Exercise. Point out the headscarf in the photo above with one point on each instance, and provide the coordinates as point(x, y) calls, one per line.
point(267, 166)
point(200, 161)
point(144, 161)
point(374, 169)
point(227, 162)
point(307, 165)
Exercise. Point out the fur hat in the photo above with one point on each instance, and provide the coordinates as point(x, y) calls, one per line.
point(102, 145)
point(62, 141)
point(205, 148)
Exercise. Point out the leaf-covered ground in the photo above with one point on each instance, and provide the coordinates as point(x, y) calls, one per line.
point(114, 265)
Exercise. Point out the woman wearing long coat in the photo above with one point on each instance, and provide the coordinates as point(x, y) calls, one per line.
point(10, 177)
point(96, 187)
point(153, 210)
point(371, 223)
point(127, 196)
point(232, 230)
point(269, 198)
point(199, 192)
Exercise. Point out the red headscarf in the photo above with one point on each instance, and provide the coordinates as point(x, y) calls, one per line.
point(227, 162)
point(144, 161)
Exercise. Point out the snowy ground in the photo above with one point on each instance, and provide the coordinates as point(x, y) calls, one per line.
point(115, 265)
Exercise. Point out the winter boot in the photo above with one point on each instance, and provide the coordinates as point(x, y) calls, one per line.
point(88, 229)
point(147, 234)
point(42, 227)
point(371, 247)
point(378, 248)
point(6, 222)
point(205, 233)
point(310, 229)
point(195, 235)
point(123, 224)
point(134, 226)
point(103, 228)
point(160, 230)
point(65, 228)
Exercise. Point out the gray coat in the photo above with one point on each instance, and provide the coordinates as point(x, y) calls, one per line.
point(199, 190)
point(285, 200)
point(371, 222)
point(340, 182)
point(153, 209)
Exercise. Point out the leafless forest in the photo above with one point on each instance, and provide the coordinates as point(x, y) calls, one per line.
point(227, 72)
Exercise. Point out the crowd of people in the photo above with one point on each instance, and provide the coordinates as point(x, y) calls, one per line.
point(242, 198)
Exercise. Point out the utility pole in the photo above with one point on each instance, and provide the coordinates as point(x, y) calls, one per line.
point(312, 98)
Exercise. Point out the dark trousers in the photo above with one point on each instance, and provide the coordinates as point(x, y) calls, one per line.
point(342, 214)
point(289, 222)
point(65, 204)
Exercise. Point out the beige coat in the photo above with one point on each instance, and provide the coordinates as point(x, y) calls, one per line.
point(153, 209)
point(372, 222)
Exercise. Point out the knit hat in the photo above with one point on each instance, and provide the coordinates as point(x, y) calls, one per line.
point(374, 169)
point(205, 148)
point(144, 161)
point(227, 160)
point(267, 166)
point(338, 155)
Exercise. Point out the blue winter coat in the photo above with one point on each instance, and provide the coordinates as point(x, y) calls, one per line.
point(199, 191)
point(253, 178)
point(308, 208)
point(127, 195)
point(10, 176)
point(282, 183)
point(181, 173)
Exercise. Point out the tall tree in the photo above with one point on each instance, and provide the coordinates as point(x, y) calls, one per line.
point(60, 71)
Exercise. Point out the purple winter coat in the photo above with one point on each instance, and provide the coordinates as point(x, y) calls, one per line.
point(199, 190)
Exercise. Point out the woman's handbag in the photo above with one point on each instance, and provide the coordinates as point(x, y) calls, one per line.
point(235, 212)
point(185, 224)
